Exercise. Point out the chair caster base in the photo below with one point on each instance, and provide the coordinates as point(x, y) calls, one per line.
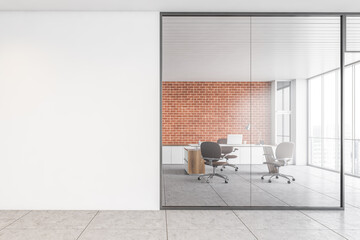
point(221, 169)
point(262, 178)
point(277, 177)
point(236, 169)
point(293, 179)
point(199, 178)
point(289, 182)
point(269, 181)
point(226, 181)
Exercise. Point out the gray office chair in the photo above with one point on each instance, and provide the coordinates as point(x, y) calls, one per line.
point(211, 153)
point(283, 154)
point(226, 153)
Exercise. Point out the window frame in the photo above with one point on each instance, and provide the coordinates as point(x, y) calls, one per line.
point(283, 112)
point(355, 161)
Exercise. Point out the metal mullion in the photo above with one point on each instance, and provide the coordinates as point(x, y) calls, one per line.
point(353, 118)
point(342, 67)
point(337, 133)
point(329, 138)
point(308, 120)
point(322, 121)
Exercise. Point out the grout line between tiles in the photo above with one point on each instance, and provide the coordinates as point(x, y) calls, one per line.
point(164, 187)
point(323, 225)
point(354, 206)
point(250, 182)
point(245, 224)
point(16, 220)
point(325, 194)
point(218, 194)
point(87, 225)
point(327, 179)
point(330, 182)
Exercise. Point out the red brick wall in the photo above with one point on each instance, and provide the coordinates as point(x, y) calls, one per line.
point(207, 111)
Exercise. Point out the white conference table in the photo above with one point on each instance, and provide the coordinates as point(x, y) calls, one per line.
point(238, 145)
point(247, 153)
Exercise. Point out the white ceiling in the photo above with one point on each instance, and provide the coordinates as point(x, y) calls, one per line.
point(186, 5)
point(244, 48)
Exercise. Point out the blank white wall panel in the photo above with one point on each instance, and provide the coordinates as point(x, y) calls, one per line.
point(79, 110)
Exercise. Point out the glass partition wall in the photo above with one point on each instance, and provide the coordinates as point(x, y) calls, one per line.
point(206, 97)
point(352, 99)
point(265, 94)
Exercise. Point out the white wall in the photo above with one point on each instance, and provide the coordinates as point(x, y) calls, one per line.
point(79, 110)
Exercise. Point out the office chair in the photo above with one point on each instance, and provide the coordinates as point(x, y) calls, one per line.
point(211, 153)
point(226, 153)
point(283, 154)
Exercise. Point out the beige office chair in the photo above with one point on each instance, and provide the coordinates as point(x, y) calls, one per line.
point(226, 153)
point(283, 154)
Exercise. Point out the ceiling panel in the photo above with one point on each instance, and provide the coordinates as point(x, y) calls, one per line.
point(353, 33)
point(206, 48)
point(244, 48)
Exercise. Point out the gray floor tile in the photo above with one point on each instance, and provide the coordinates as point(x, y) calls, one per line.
point(287, 220)
point(54, 220)
point(261, 199)
point(201, 197)
point(312, 188)
point(195, 193)
point(353, 198)
point(307, 199)
point(128, 234)
point(210, 234)
point(348, 219)
point(286, 234)
point(39, 234)
point(129, 220)
point(9, 216)
point(203, 220)
point(350, 234)
point(236, 184)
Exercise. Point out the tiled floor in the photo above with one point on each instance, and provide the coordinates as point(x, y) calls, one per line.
point(174, 225)
point(205, 224)
point(313, 187)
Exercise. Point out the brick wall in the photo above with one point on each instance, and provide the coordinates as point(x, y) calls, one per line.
point(207, 111)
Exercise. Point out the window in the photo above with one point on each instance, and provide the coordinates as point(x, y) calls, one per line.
point(324, 120)
point(351, 119)
point(283, 111)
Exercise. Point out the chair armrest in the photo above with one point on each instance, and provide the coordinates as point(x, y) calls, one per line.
point(283, 159)
point(273, 163)
point(212, 159)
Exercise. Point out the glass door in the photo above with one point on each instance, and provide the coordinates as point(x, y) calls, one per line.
point(206, 111)
point(295, 111)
